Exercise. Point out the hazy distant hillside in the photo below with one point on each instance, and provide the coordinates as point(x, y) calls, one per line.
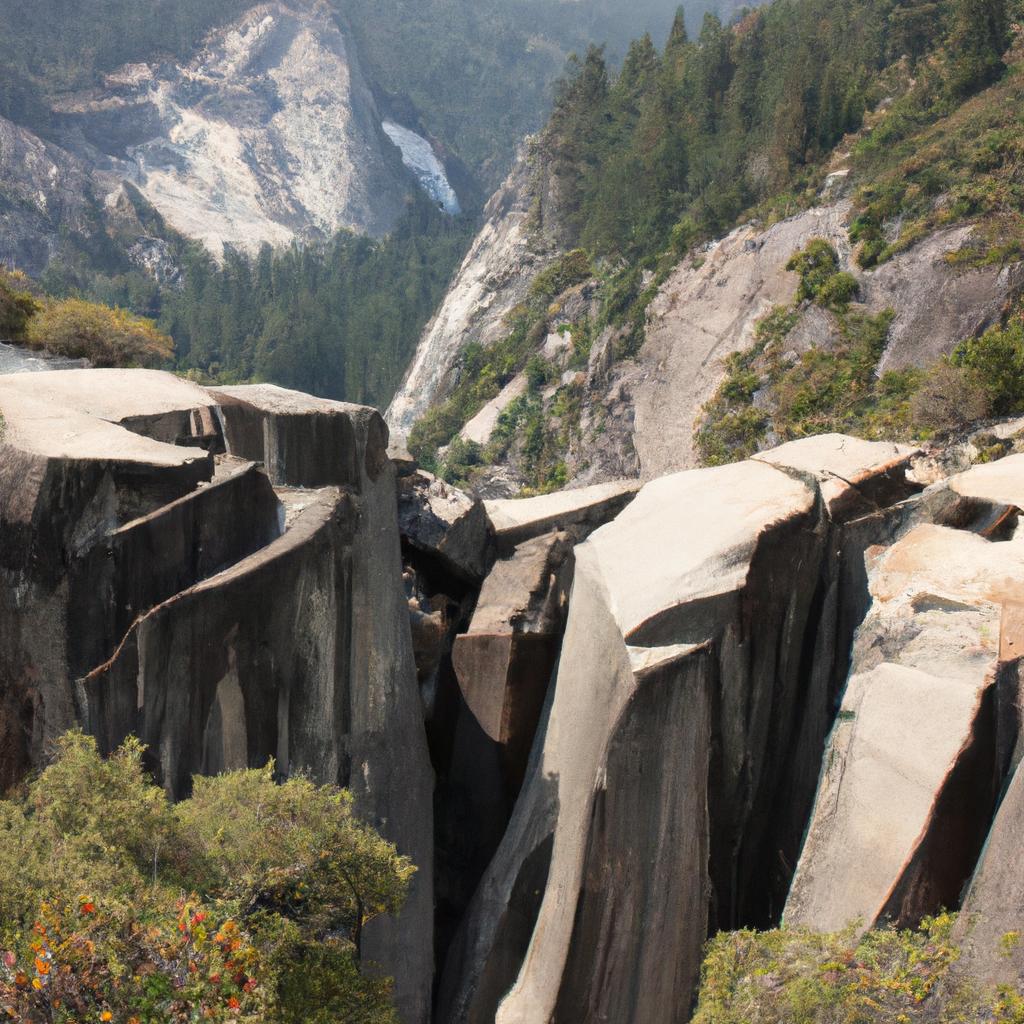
point(476, 74)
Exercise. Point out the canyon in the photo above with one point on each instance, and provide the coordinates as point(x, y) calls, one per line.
point(604, 723)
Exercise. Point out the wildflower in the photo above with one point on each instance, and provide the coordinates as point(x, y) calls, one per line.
point(9, 959)
point(106, 1015)
point(234, 1003)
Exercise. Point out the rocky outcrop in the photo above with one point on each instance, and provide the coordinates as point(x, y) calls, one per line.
point(226, 608)
point(269, 134)
point(704, 313)
point(577, 512)
point(504, 662)
point(912, 772)
point(642, 715)
point(45, 191)
point(639, 415)
point(988, 929)
point(494, 278)
point(445, 524)
point(683, 707)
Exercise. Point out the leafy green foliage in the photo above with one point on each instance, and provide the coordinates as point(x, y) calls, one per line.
point(18, 304)
point(245, 903)
point(996, 362)
point(931, 162)
point(821, 280)
point(886, 976)
point(771, 395)
point(104, 336)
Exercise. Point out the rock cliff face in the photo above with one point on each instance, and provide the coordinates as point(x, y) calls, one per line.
point(270, 134)
point(44, 190)
point(217, 572)
point(513, 245)
point(643, 714)
point(639, 414)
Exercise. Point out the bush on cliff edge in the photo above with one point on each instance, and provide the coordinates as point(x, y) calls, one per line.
point(104, 336)
point(244, 904)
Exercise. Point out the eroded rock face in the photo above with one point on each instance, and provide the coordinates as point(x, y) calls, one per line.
point(270, 134)
point(930, 716)
point(680, 709)
point(494, 278)
point(226, 608)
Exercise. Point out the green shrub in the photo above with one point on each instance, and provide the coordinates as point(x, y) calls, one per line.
point(795, 976)
point(571, 269)
point(245, 903)
point(104, 336)
point(815, 265)
point(18, 305)
point(948, 398)
point(838, 291)
point(997, 361)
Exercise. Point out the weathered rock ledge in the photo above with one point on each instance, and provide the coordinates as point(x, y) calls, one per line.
point(218, 572)
point(604, 723)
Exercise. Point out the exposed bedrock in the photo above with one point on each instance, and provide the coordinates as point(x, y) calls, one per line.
point(989, 925)
point(694, 692)
point(70, 475)
point(929, 719)
point(153, 587)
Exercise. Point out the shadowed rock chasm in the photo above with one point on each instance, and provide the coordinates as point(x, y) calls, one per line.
point(604, 724)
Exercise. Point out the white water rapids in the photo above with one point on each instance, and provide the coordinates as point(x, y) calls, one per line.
point(419, 156)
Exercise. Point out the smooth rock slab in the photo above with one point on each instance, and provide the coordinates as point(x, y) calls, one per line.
point(578, 512)
point(856, 477)
point(666, 736)
point(303, 441)
point(913, 765)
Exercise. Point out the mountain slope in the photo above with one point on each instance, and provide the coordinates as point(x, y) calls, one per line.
point(269, 134)
point(643, 169)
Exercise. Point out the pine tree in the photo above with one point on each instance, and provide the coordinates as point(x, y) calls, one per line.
point(978, 40)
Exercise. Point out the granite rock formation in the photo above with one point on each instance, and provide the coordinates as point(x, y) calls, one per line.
point(604, 723)
point(219, 573)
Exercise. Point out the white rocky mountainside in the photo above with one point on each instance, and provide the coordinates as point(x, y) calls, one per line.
point(269, 134)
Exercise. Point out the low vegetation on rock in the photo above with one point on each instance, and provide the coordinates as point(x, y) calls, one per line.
point(885, 976)
point(105, 336)
point(244, 903)
point(78, 329)
point(772, 393)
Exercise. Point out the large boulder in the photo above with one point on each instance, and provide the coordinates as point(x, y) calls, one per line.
point(445, 525)
point(678, 752)
point(577, 512)
point(504, 661)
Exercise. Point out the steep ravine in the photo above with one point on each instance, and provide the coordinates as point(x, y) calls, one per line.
point(600, 721)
